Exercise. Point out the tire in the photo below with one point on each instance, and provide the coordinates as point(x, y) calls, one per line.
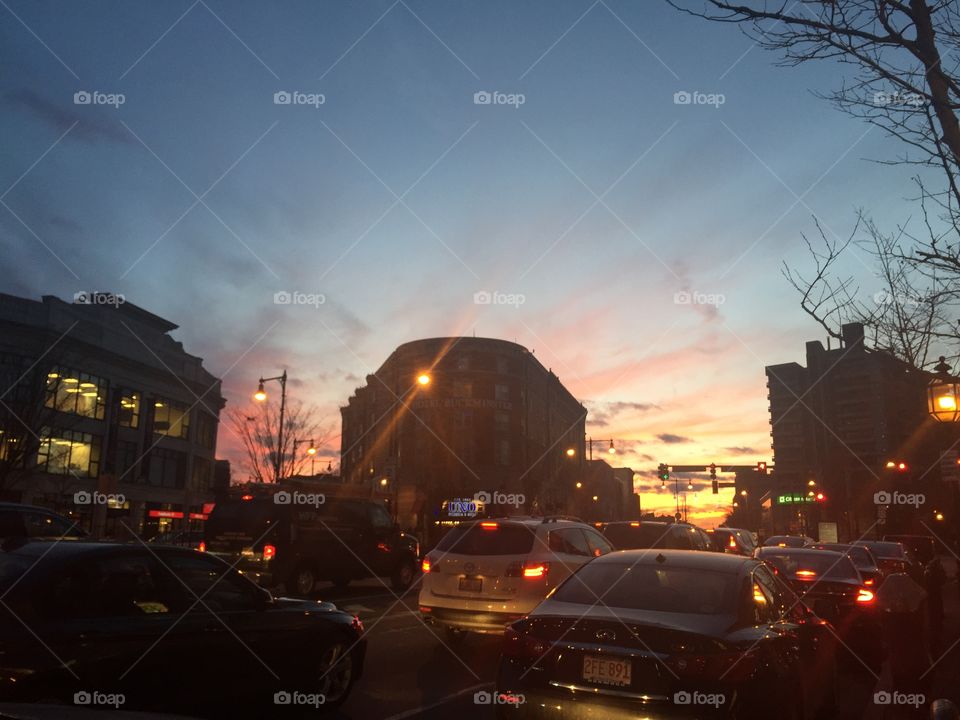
point(336, 673)
point(303, 581)
point(404, 575)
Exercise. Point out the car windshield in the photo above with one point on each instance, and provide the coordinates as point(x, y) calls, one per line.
point(653, 588)
point(633, 537)
point(488, 538)
point(812, 565)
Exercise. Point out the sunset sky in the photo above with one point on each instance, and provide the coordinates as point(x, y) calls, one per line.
point(600, 200)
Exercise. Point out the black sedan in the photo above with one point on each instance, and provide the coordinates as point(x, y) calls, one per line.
point(164, 628)
point(862, 558)
point(668, 634)
point(829, 584)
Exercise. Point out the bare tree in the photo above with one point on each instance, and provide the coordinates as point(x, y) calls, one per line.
point(903, 79)
point(257, 426)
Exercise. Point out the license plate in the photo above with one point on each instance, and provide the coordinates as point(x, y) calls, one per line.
point(471, 584)
point(606, 671)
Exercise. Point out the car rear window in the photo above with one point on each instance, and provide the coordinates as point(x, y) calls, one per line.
point(249, 517)
point(656, 589)
point(488, 539)
point(860, 555)
point(813, 565)
point(630, 537)
point(887, 549)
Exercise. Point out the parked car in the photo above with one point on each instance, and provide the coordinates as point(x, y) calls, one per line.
point(793, 541)
point(862, 558)
point(181, 538)
point(168, 628)
point(829, 584)
point(485, 574)
point(36, 523)
point(296, 545)
point(732, 540)
point(637, 535)
point(922, 547)
point(672, 627)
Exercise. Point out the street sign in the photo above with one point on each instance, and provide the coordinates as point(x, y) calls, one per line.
point(949, 467)
point(793, 499)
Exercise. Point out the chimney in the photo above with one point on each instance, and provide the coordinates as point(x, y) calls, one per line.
point(852, 334)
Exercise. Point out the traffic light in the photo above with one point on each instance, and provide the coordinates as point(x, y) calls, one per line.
point(713, 479)
point(820, 497)
point(762, 468)
point(663, 472)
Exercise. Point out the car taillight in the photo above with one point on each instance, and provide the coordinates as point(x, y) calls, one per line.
point(425, 566)
point(868, 581)
point(731, 666)
point(536, 571)
point(806, 574)
point(733, 543)
point(357, 624)
point(269, 552)
point(865, 596)
point(489, 525)
point(530, 570)
point(202, 547)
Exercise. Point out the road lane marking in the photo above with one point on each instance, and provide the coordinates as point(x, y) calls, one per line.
point(438, 703)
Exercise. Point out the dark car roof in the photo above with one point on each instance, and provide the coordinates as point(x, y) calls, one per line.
point(21, 506)
point(775, 550)
point(58, 550)
point(683, 558)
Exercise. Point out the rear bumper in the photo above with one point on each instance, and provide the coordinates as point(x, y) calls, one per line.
point(472, 620)
point(564, 705)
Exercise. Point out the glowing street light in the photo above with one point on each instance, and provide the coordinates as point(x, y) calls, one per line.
point(943, 393)
point(579, 485)
point(260, 395)
point(423, 379)
point(612, 450)
point(571, 452)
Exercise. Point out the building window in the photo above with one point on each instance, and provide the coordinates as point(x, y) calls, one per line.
point(463, 362)
point(129, 409)
point(502, 420)
point(15, 374)
point(168, 468)
point(78, 393)
point(464, 419)
point(200, 480)
point(127, 457)
point(462, 389)
point(501, 391)
point(206, 430)
point(171, 419)
point(66, 452)
point(503, 452)
point(503, 365)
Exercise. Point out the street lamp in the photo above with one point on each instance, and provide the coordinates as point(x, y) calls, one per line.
point(579, 485)
point(612, 450)
point(943, 394)
point(571, 451)
point(423, 379)
point(260, 396)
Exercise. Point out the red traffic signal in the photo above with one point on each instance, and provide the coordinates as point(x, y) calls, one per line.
point(820, 497)
point(762, 468)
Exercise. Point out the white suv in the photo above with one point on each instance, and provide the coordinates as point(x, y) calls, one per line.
point(486, 574)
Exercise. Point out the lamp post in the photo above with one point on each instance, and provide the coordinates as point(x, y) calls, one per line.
point(943, 394)
point(260, 396)
point(311, 451)
point(590, 441)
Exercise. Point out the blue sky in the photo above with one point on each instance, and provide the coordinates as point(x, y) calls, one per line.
point(598, 199)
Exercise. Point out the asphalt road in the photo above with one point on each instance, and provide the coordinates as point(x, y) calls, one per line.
point(411, 673)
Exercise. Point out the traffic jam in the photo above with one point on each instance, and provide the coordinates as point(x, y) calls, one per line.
point(620, 619)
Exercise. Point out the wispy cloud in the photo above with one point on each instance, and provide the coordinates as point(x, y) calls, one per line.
point(89, 125)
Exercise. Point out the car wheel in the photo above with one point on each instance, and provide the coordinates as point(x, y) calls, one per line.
point(304, 581)
point(403, 576)
point(336, 673)
point(454, 636)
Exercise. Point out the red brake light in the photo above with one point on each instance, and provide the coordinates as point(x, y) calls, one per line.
point(806, 574)
point(868, 581)
point(865, 596)
point(202, 547)
point(425, 566)
point(536, 571)
point(733, 542)
point(269, 552)
point(489, 525)
point(246, 497)
point(634, 524)
point(357, 623)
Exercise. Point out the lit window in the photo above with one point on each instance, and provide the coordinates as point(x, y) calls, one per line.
point(171, 418)
point(67, 452)
point(78, 393)
point(129, 409)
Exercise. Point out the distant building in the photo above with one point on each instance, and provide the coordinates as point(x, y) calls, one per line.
point(105, 417)
point(449, 417)
point(837, 423)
